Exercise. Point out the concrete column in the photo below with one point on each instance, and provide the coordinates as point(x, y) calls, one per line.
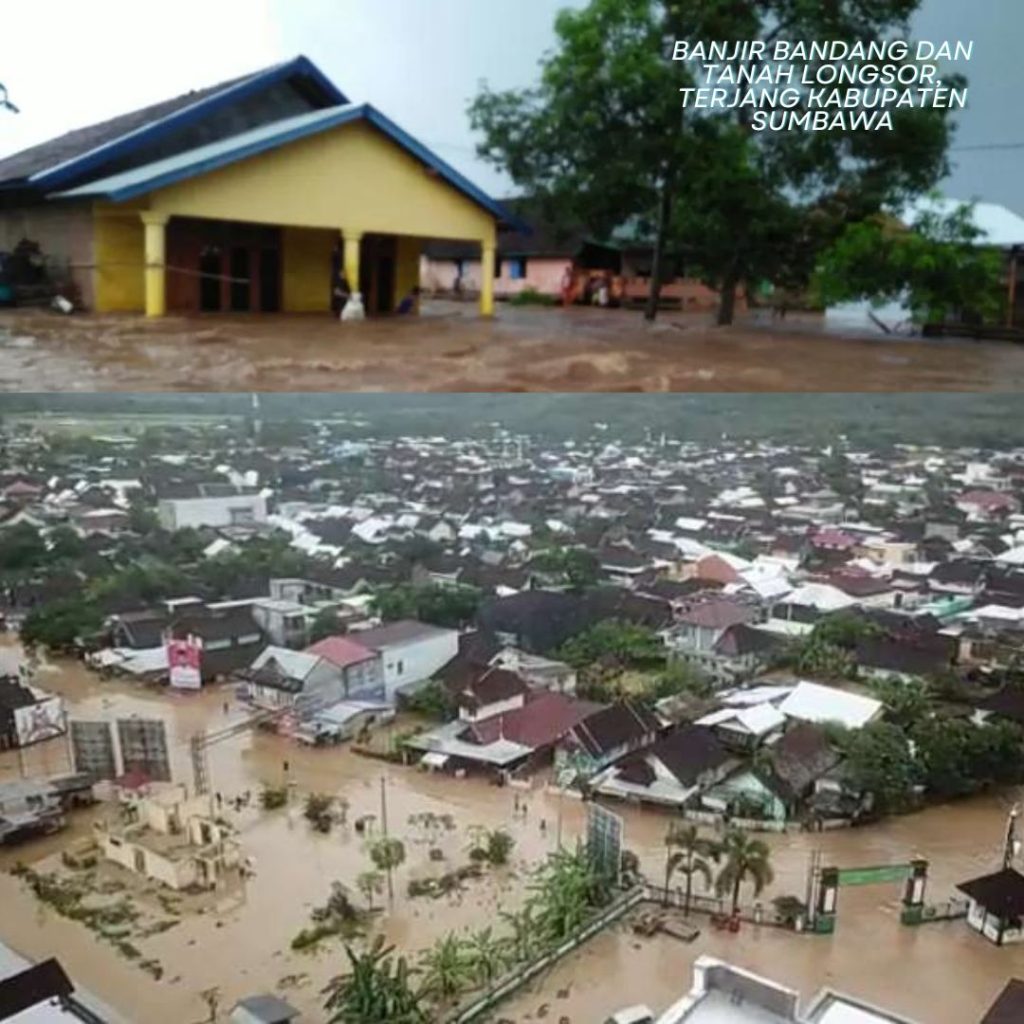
point(487, 280)
point(353, 242)
point(156, 262)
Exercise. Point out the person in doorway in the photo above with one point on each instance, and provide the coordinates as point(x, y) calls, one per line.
point(342, 293)
point(408, 304)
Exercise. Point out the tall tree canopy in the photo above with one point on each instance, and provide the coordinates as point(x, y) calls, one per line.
point(604, 141)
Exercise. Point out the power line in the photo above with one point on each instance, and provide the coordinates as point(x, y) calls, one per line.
point(987, 145)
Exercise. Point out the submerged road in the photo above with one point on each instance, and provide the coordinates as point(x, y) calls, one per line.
point(940, 973)
point(450, 349)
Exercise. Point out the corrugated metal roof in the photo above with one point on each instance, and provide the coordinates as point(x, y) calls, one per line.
point(999, 226)
point(195, 162)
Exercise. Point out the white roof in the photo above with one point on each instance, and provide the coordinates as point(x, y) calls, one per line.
point(1013, 556)
point(812, 702)
point(822, 596)
point(998, 224)
point(758, 720)
point(295, 664)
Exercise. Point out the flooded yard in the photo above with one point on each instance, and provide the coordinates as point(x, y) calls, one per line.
point(450, 349)
point(239, 941)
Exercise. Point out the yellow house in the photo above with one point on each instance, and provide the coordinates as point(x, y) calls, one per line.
point(252, 196)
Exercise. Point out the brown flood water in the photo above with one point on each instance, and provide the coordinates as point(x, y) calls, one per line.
point(450, 349)
point(939, 973)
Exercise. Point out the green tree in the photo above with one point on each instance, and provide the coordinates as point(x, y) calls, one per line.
point(387, 854)
point(689, 853)
point(325, 624)
point(65, 544)
point(21, 547)
point(564, 890)
point(60, 624)
point(377, 989)
point(488, 955)
point(744, 858)
point(907, 701)
point(577, 568)
point(880, 762)
point(449, 607)
point(681, 677)
point(447, 968)
point(602, 140)
point(370, 884)
point(622, 643)
point(318, 811)
point(937, 265)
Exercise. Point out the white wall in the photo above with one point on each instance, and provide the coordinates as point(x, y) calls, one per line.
point(417, 660)
point(177, 513)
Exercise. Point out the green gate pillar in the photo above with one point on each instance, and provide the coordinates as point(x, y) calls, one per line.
point(828, 893)
point(913, 892)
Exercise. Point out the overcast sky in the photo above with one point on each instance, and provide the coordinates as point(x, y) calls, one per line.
point(67, 63)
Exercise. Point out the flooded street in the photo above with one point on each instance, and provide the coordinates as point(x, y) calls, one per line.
point(939, 973)
point(450, 349)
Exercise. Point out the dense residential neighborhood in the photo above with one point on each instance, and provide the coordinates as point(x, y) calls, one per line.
point(740, 637)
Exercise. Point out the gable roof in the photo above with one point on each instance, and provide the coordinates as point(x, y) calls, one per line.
point(340, 651)
point(1009, 1005)
point(1000, 893)
point(67, 157)
point(614, 726)
point(689, 752)
point(203, 159)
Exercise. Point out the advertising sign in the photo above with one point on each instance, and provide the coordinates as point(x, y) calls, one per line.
point(183, 662)
point(43, 720)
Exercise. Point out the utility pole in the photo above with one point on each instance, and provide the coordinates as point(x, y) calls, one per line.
point(1011, 845)
point(384, 830)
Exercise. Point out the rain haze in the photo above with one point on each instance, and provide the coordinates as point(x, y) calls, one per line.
point(420, 63)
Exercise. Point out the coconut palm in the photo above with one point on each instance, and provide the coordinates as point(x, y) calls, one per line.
point(447, 968)
point(744, 858)
point(370, 884)
point(689, 853)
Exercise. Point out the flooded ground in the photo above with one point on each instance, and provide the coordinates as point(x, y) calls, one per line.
point(938, 973)
point(450, 349)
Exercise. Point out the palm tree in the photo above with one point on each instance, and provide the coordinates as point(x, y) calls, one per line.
point(744, 858)
point(523, 941)
point(488, 955)
point(447, 969)
point(692, 855)
point(370, 884)
point(376, 990)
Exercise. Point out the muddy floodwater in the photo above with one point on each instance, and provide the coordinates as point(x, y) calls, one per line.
point(239, 941)
point(449, 348)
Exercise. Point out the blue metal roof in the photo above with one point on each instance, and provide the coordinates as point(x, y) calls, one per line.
point(300, 67)
point(195, 162)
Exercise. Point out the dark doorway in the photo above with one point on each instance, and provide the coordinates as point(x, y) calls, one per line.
point(385, 285)
point(241, 286)
point(270, 281)
point(209, 283)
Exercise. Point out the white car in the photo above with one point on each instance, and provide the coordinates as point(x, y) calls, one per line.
point(638, 1014)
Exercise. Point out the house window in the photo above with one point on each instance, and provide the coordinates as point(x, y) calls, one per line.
point(217, 645)
point(517, 269)
point(498, 261)
point(401, 667)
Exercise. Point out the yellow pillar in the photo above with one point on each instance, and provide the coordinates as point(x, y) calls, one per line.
point(487, 280)
point(353, 242)
point(156, 262)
